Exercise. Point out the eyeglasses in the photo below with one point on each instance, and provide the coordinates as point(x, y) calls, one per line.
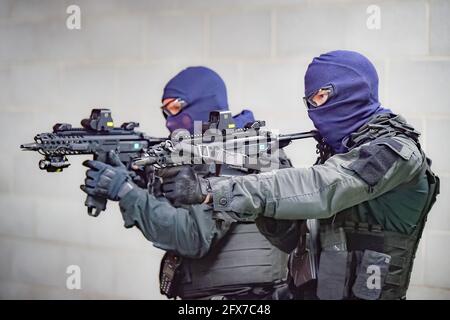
point(327, 92)
point(173, 107)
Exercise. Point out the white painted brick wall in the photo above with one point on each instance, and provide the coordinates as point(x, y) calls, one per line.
point(28, 82)
point(437, 264)
point(123, 56)
point(437, 130)
point(175, 35)
point(18, 217)
point(440, 25)
point(39, 262)
point(238, 35)
point(423, 76)
point(87, 85)
point(137, 284)
point(404, 29)
point(294, 28)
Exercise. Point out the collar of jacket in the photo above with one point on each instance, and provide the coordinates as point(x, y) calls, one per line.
point(381, 125)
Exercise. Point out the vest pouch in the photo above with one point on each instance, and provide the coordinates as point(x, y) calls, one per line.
point(302, 263)
point(333, 266)
point(332, 239)
point(370, 275)
point(302, 267)
point(331, 282)
point(241, 260)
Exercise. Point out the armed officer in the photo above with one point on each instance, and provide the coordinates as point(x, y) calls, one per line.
point(209, 254)
point(372, 189)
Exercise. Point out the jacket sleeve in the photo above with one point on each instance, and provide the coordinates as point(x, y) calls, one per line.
point(188, 231)
point(321, 191)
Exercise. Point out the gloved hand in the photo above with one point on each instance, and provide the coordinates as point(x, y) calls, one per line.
point(140, 176)
point(107, 180)
point(181, 185)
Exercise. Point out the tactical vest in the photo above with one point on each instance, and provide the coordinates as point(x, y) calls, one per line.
point(363, 234)
point(241, 261)
point(357, 238)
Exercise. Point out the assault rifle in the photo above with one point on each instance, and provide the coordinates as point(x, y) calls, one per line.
point(96, 137)
point(251, 147)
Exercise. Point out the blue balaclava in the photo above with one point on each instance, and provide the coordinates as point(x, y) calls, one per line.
point(355, 98)
point(204, 91)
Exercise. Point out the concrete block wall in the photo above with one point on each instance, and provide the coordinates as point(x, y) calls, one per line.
point(122, 57)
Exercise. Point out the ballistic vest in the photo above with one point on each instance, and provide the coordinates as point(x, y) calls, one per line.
point(363, 232)
point(244, 259)
point(241, 261)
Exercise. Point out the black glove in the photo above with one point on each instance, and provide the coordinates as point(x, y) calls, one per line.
point(141, 176)
point(104, 180)
point(181, 185)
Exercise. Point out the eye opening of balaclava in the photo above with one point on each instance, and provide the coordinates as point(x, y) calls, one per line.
point(204, 91)
point(165, 107)
point(355, 97)
point(309, 102)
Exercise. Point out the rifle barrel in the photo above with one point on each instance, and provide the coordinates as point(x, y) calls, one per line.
point(30, 146)
point(298, 135)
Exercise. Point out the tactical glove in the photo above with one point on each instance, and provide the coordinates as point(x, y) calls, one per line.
point(107, 180)
point(181, 185)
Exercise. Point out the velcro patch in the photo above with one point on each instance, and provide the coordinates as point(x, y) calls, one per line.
point(402, 150)
point(374, 162)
